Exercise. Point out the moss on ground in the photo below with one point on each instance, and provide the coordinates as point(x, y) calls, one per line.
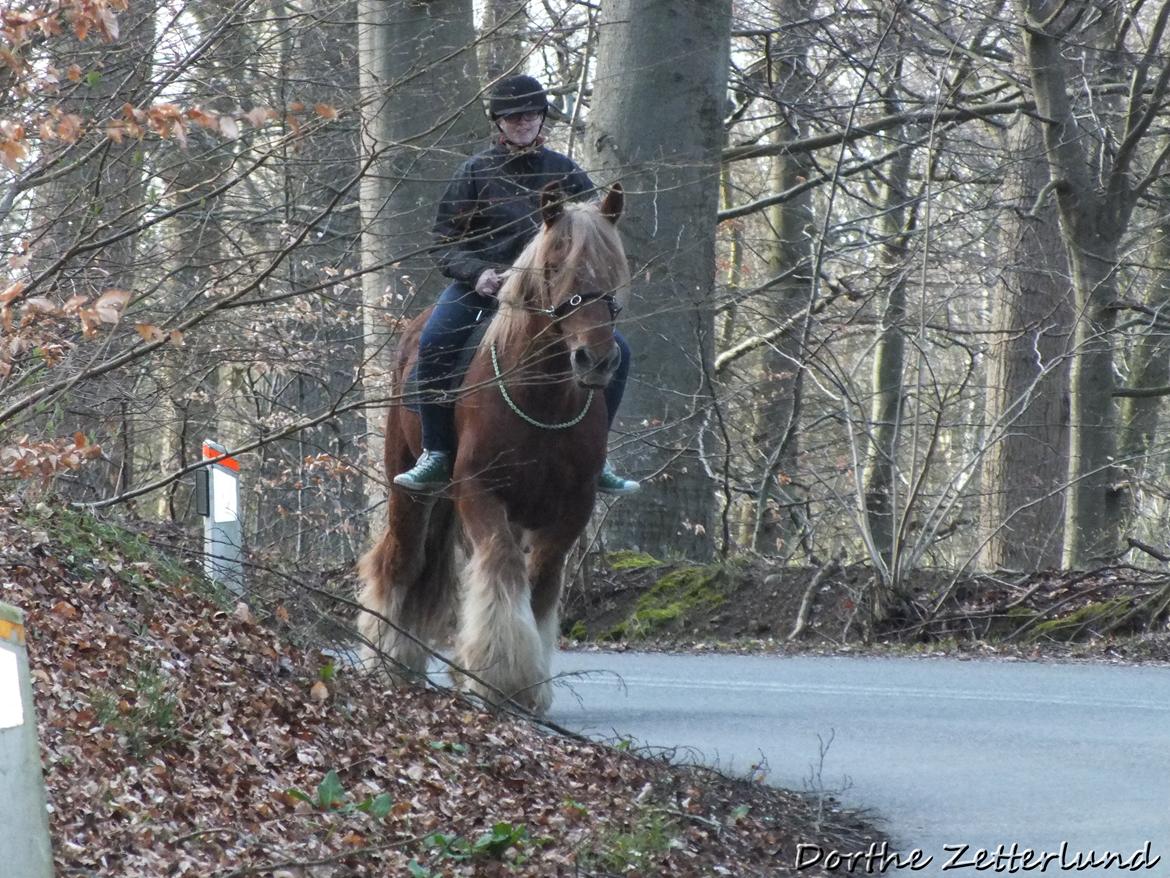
point(1072, 625)
point(675, 597)
point(630, 560)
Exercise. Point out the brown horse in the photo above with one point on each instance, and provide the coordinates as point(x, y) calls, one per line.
point(532, 425)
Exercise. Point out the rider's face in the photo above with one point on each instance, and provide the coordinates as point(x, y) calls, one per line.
point(521, 128)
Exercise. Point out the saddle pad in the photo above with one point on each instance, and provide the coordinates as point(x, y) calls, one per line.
point(412, 395)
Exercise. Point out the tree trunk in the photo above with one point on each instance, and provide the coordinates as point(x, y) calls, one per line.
point(502, 49)
point(1092, 223)
point(100, 197)
point(421, 115)
point(774, 439)
point(1022, 502)
point(657, 126)
point(1150, 364)
point(889, 360)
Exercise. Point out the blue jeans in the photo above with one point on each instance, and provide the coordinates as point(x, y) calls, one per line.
point(444, 335)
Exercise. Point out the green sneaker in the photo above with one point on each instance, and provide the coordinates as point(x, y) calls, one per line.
point(610, 482)
point(431, 474)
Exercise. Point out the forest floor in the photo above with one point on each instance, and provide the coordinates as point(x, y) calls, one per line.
point(1117, 613)
point(187, 735)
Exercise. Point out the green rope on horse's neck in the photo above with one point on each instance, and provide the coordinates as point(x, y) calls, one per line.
point(564, 425)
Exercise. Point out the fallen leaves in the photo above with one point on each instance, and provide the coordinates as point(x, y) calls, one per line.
point(178, 740)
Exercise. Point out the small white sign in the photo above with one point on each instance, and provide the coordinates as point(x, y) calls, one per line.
point(11, 704)
point(225, 495)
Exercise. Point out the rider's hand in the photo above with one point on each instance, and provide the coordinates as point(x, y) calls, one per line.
point(489, 282)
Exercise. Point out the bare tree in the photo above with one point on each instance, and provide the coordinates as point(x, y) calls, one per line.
point(1094, 164)
point(1024, 473)
point(658, 127)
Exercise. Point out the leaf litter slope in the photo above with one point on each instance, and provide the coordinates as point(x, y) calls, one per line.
point(182, 738)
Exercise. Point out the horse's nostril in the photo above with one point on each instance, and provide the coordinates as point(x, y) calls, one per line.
point(581, 358)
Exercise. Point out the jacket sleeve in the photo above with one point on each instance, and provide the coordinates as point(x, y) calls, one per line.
point(453, 253)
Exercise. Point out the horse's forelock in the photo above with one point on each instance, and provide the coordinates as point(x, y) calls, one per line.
point(581, 234)
point(594, 247)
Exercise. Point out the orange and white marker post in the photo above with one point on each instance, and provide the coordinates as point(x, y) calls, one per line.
point(24, 820)
point(217, 492)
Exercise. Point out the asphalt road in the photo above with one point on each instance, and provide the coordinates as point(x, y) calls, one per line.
point(947, 753)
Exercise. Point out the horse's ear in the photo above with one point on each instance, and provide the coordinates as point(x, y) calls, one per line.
point(552, 202)
point(612, 204)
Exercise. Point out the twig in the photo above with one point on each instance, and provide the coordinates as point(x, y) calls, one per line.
point(1149, 550)
point(213, 830)
point(324, 861)
point(806, 602)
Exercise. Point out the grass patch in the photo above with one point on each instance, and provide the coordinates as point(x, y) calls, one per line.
point(83, 539)
point(637, 849)
point(144, 712)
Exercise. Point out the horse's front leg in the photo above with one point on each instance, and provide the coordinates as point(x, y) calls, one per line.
point(546, 571)
point(498, 638)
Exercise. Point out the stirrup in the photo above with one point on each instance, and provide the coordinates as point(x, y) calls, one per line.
point(431, 474)
point(609, 482)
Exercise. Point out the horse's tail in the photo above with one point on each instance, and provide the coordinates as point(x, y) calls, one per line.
point(409, 586)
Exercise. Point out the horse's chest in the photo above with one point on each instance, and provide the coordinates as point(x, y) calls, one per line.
point(541, 479)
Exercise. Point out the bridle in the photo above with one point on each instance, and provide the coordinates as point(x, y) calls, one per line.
point(561, 311)
point(579, 300)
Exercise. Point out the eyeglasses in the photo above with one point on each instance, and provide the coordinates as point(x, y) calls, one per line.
point(517, 118)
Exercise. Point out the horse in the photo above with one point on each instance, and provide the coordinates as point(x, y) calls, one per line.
point(531, 404)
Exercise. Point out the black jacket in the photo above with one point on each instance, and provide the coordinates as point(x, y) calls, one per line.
point(491, 209)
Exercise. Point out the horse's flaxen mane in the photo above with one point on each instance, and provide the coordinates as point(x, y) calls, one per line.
point(580, 252)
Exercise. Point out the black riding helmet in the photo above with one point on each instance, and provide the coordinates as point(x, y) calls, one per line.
point(517, 94)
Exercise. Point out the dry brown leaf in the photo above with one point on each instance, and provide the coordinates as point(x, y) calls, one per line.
point(259, 116)
point(11, 152)
point(110, 305)
point(203, 118)
point(326, 111)
point(69, 127)
point(12, 293)
point(150, 332)
point(244, 613)
point(40, 305)
point(90, 321)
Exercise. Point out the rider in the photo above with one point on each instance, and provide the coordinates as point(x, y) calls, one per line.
point(490, 211)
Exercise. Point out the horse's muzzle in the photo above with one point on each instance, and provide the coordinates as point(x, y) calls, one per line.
point(592, 370)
